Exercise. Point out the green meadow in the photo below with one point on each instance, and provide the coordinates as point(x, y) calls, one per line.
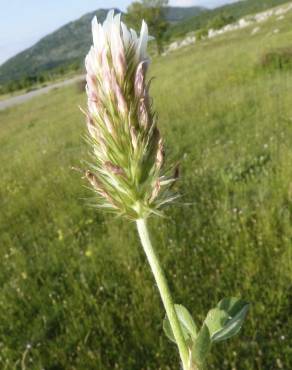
point(76, 290)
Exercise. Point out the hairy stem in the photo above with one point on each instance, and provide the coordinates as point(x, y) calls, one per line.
point(164, 292)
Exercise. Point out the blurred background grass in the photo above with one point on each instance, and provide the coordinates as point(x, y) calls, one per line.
point(77, 292)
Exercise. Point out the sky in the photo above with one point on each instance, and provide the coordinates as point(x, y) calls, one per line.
point(24, 22)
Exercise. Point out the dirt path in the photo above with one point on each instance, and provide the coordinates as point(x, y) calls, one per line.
point(19, 99)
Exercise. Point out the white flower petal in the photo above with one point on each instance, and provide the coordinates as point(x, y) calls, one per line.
point(117, 47)
point(117, 20)
point(134, 35)
point(126, 35)
point(143, 40)
point(107, 24)
point(99, 40)
point(95, 29)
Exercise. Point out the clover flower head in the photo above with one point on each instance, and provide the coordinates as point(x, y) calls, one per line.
point(127, 172)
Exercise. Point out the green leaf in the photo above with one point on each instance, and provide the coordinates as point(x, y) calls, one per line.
point(231, 305)
point(201, 346)
point(167, 330)
point(215, 320)
point(236, 310)
point(186, 321)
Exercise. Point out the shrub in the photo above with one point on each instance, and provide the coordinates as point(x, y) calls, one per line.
point(201, 34)
point(277, 59)
point(220, 21)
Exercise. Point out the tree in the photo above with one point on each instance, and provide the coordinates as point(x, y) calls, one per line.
point(153, 14)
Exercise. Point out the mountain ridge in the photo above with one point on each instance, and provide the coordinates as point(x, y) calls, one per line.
point(236, 9)
point(68, 45)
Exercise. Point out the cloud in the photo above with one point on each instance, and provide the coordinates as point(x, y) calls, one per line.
point(206, 3)
point(183, 2)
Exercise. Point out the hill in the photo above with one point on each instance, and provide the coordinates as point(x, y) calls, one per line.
point(68, 46)
point(234, 10)
point(60, 48)
point(175, 14)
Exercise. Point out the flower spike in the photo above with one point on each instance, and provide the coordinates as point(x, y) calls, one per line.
point(128, 153)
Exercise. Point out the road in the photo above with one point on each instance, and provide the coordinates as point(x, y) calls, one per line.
point(19, 99)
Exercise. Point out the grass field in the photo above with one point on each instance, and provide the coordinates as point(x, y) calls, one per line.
point(76, 292)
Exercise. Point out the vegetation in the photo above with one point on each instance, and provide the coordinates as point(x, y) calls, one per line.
point(70, 43)
point(60, 49)
point(277, 59)
point(64, 50)
point(151, 11)
point(30, 82)
point(235, 11)
point(220, 20)
point(77, 293)
point(201, 34)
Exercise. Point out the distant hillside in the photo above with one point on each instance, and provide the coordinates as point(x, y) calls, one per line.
point(61, 47)
point(68, 45)
point(236, 10)
point(175, 14)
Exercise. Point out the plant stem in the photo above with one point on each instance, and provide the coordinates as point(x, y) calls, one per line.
point(164, 292)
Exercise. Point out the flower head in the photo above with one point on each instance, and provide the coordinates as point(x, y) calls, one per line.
point(128, 152)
